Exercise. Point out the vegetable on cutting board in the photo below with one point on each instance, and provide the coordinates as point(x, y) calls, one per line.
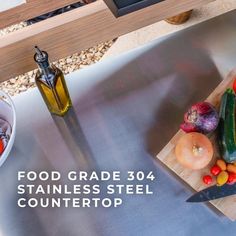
point(221, 164)
point(215, 170)
point(222, 178)
point(232, 178)
point(231, 168)
point(201, 117)
point(234, 85)
point(194, 151)
point(207, 179)
point(227, 131)
point(225, 173)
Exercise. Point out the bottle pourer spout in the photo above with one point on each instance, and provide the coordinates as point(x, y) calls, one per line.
point(39, 53)
point(41, 57)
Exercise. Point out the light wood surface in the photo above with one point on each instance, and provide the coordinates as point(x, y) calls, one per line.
point(194, 178)
point(31, 9)
point(77, 30)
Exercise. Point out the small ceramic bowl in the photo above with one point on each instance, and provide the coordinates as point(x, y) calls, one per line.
point(7, 113)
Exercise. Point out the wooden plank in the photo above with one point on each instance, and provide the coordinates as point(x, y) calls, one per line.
point(31, 9)
point(77, 30)
point(194, 178)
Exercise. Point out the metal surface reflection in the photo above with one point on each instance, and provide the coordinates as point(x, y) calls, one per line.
point(125, 110)
point(75, 139)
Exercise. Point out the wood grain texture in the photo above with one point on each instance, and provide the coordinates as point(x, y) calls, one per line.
point(194, 178)
point(77, 30)
point(31, 9)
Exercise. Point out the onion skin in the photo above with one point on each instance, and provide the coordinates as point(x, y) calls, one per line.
point(202, 117)
point(194, 151)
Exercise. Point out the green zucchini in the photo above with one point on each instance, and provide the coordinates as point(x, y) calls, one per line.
point(227, 132)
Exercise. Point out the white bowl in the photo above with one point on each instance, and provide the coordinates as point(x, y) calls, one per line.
point(8, 113)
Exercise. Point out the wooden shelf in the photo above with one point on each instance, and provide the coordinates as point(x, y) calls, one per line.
point(76, 30)
point(30, 10)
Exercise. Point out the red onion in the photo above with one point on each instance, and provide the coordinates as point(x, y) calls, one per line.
point(202, 117)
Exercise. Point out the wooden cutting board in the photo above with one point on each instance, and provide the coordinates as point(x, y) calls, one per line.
point(226, 205)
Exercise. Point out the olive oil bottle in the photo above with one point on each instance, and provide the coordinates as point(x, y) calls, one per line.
point(51, 84)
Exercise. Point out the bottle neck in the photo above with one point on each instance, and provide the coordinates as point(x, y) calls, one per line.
point(47, 71)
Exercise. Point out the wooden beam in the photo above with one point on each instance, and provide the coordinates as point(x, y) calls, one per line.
point(31, 9)
point(77, 30)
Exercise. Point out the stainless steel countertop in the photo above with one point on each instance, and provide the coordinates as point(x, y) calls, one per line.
point(125, 110)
